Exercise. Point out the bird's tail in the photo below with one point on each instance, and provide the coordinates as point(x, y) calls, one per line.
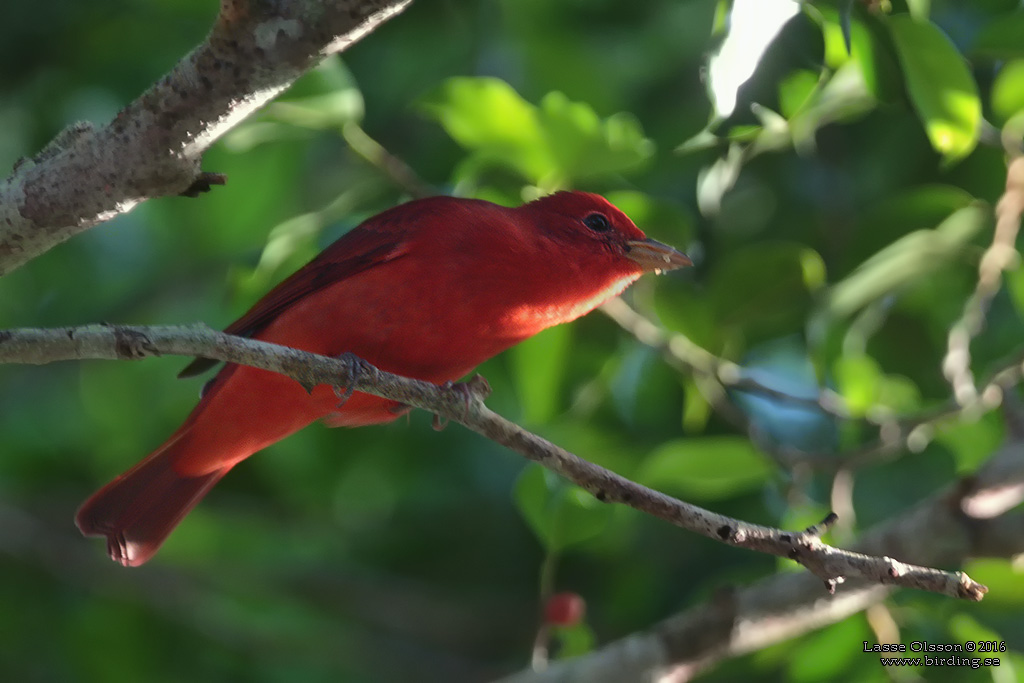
point(139, 509)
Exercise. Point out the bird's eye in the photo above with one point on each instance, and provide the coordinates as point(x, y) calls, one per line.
point(597, 222)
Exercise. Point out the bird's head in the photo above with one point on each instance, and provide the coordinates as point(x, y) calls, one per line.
point(590, 223)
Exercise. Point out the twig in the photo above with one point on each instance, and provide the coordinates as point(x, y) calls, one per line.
point(397, 169)
point(1001, 255)
point(719, 376)
point(737, 621)
point(681, 349)
point(464, 404)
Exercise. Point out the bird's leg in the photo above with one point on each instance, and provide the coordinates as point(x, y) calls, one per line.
point(355, 365)
point(476, 387)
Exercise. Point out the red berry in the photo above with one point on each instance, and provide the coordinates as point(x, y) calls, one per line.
point(564, 609)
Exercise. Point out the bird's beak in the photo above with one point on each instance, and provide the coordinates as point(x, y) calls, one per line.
point(652, 255)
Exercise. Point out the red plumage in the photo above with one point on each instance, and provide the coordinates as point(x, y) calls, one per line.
point(428, 289)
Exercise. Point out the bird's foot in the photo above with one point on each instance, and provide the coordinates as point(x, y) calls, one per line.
point(476, 387)
point(355, 369)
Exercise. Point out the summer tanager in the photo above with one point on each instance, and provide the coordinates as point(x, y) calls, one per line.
point(428, 289)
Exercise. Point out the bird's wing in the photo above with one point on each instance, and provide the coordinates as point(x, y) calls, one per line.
point(377, 241)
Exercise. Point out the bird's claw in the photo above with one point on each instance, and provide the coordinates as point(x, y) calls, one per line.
point(476, 387)
point(355, 364)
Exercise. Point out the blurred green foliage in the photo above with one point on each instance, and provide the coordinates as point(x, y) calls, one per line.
point(836, 217)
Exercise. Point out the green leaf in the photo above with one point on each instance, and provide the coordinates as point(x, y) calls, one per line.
point(900, 213)
point(899, 394)
point(1001, 39)
point(661, 219)
point(531, 495)
point(919, 9)
point(867, 64)
point(843, 97)
point(795, 90)
point(972, 442)
point(708, 468)
point(575, 640)
point(940, 86)
point(683, 308)
point(539, 371)
point(551, 146)
point(488, 116)
point(765, 288)
point(907, 259)
point(560, 514)
point(1008, 90)
point(836, 32)
point(827, 655)
point(1002, 579)
point(964, 628)
point(578, 517)
point(1015, 286)
point(696, 408)
point(858, 379)
point(328, 97)
point(582, 146)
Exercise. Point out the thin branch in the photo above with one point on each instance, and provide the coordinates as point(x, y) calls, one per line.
point(400, 173)
point(738, 621)
point(153, 148)
point(1001, 255)
point(464, 404)
point(716, 376)
point(683, 351)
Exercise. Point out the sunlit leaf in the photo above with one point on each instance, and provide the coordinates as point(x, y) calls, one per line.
point(1008, 90)
point(858, 379)
point(328, 97)
point(487, 116)
point(919, 9)
point(583, 146)
point(552, 145)
point(795, 90)
point(940, 85)
point(718, 178)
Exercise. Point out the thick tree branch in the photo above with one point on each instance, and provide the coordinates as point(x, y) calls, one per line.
point(464, 404)
point(154, 146)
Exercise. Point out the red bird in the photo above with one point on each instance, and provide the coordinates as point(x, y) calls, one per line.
point(428, 289)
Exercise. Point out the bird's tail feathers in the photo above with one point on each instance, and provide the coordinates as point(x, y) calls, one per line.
point(138, 510)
